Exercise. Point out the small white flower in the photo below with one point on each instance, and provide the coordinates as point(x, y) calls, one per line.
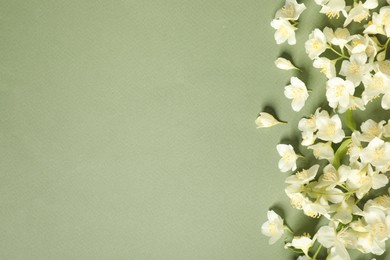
point(297, 91)
point(323, 151)
point(377, 153)
point(329, 129)
point(384, 67)
point(284, 64)
point(289, 157)
point(371, 129)
point(332, 177)
point(303, 243)
point(291, 10)
point(355, 68)
point(358, 43)
point(362, 179)
point(375, 27)
point(285, 31)
point(273, 228)
point(375, 86)
point(316, 44)
point(384, 17)
point(326, 66)
point(328, 237)
point(360, 11)
point(340, 37)
point(266, 120)
point(304, 176)
point(332, 8)
point(345, 210)
point(338, 92)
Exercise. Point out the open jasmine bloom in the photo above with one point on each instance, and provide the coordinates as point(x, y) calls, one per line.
point(289, 157)
point(291, 10)
point(285, 31)
point(273, 227)
point(297, 91)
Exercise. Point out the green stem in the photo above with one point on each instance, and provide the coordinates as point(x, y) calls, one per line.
point(386, 45)
point(349, 119)
point(317, 252)
point(338, 53)
point(288, 229)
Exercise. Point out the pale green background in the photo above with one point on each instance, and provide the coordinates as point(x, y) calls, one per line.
point(127, 129)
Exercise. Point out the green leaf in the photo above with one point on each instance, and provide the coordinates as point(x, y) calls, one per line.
point(341, 152)
point(349, 120)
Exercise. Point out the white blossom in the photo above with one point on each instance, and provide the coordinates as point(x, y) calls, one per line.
point(338, 93)
point(290, 11)
point(285, 31)
point(273, 227)
point(297, 91)
point(330, 129)
point(289, 157)
point(316, 44)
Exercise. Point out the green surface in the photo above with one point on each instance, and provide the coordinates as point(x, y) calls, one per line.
point(127, 129)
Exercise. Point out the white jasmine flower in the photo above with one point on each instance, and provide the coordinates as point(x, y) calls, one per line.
point(332, 177)
point(297, 199)
point(384, 17)
point(326, 66)
point(381, 202)
point(307, 124)
point(332, 8)
point(384, 67)
point(355, 68)
point(329, 129)
point(315, 210)
point(345, 210)
point(291, 10)
point(323, 151)
point(362, 179)
point(377, 230)
point(303, 243)
point(328, 237)
point(338, 92)
point(308, 127)
point(273, 228)
point(358, 43)
point(371, 129)
point(356, 102)
point(284, 64)
point(308, 138)
point(289, 157)
point(304, 176)
point(360, 11)
point(340, 37)
point(266, 120)
point(377, 153)
point(285, 31)
point(297, 92)
point(375, 27)
point(316, 44)
point(375, 86)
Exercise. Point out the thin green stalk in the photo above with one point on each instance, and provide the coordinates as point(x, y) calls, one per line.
point(338, 53)
point(317, 252)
